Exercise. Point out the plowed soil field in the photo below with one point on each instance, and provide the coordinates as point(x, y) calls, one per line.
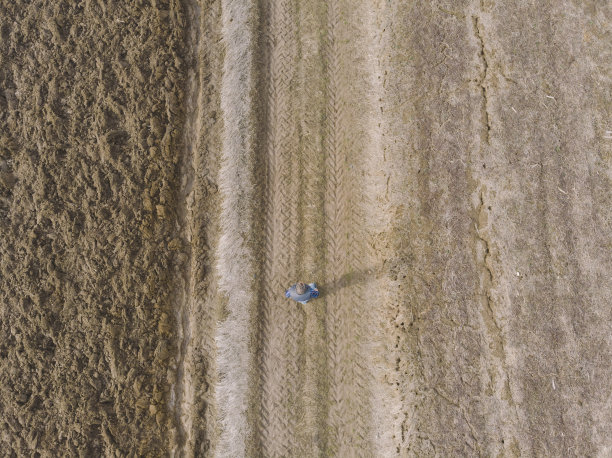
point(441, 169)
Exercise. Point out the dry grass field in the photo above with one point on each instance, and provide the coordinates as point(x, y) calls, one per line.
point(441, 169)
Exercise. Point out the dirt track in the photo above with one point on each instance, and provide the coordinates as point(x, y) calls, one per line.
point(442, 170)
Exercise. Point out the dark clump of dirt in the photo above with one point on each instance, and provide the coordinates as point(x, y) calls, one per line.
point(89, 145)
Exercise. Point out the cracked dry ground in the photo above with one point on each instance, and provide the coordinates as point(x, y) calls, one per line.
point(442, 170)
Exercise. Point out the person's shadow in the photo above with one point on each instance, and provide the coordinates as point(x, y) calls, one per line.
point(350, 279)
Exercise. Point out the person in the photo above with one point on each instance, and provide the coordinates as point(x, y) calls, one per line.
point(301, 292)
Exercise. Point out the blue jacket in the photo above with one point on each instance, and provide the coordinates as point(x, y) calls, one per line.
point(311, 292)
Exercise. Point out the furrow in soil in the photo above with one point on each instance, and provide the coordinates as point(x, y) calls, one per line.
point(203, 131)
point(183, 392)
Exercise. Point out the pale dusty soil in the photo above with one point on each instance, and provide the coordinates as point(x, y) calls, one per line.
point(442, 170)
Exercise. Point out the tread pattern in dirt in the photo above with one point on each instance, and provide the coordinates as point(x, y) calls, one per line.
point(278, 365)
point(348, 377)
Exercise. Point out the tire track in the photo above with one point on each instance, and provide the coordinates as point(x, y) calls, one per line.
point(280, 321)
point(348, 412)
point(334, 258)
point(312, 427)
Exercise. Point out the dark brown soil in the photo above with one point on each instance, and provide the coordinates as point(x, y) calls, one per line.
point(90, 116)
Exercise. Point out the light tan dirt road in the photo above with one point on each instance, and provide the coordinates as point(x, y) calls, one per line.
point(441, 169)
